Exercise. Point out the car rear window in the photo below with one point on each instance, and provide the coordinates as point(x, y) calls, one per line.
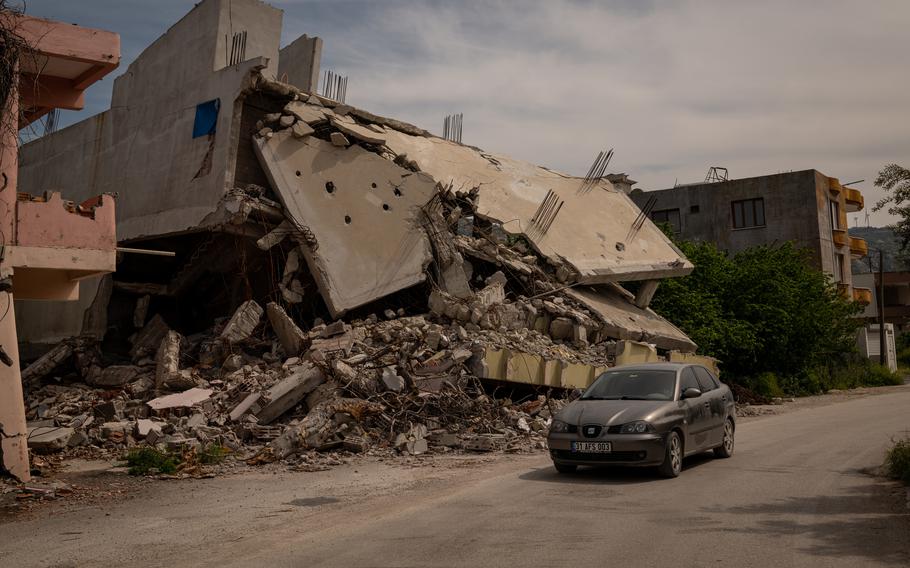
point(633, 384)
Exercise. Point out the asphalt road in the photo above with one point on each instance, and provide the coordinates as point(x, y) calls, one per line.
point(796, 493)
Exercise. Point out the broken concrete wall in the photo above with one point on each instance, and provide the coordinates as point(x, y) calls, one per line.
point(298, 63)
point(143, 148)
point(42, 324)
point(362, 211)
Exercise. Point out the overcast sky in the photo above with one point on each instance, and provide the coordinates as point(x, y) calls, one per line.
point(674, 87)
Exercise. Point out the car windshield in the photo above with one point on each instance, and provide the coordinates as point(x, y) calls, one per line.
point(633, 384)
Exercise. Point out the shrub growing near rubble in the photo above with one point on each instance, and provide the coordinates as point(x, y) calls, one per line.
point(897, 462)
point(144, 459)
point(764, 310)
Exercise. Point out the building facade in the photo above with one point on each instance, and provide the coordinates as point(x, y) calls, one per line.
point(805, 207)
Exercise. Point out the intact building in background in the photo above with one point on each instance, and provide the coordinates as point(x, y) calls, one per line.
point(806, 207)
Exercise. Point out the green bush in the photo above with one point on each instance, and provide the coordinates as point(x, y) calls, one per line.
point(764, 310)
point(144, 459)
point(897, 462)
point(765, 385)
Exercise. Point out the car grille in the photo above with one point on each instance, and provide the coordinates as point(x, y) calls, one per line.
point(592, 457)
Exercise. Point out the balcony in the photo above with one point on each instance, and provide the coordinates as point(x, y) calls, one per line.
point(843, 290)
point(858, 247)
point(862, 295)
point(853, 199)
point(840, 237)
point(834, 186)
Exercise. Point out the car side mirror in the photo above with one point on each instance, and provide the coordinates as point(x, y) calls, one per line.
point(691, 393)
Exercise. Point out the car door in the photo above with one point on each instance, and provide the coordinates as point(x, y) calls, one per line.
point(698, 412)
point(715, 397)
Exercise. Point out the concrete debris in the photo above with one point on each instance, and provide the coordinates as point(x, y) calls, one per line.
point(289, 392)
point(148, 339)
point(436, 297)
point(167, 362)
point(243, 322)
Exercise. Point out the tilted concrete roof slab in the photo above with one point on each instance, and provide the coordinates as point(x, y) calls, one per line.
point(584, 233)
point(362, 209)
point(624, 320)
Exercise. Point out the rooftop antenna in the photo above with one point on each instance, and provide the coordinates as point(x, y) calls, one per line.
point(716, 174)
point(451, 127)
point(596, 171)
point(334, 86)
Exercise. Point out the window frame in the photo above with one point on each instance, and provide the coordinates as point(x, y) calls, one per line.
point(751, 210)
point(677, 226)
point(708, 378)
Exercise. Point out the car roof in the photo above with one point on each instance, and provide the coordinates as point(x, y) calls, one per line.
point(659, 366)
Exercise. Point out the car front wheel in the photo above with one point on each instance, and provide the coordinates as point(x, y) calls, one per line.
point(565, 468)
point(725, 450)
point(673, 456)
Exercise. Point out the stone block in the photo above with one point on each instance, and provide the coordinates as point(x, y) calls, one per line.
point(243, 322)
point(116, 376)
point(289, 392)
point(291, 337)
point(47, 440)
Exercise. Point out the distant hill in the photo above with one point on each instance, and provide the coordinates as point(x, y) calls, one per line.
point(879, 238)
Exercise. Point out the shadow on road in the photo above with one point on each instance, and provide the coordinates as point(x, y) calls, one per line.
point(867, 522)
point(609, 475)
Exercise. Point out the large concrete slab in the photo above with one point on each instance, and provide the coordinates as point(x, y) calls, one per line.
point(363, 211)
point(624, 320)
point(591, 231)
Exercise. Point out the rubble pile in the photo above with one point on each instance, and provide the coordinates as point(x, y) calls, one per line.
point(427, 330)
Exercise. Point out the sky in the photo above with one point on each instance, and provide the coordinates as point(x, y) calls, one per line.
point(672, 87)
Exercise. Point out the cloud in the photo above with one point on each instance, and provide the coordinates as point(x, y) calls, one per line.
point(675, 88)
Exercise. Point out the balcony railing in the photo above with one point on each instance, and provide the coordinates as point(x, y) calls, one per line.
point(853, 199)
point(858, 247)
point(834, 186)
point(862, 295)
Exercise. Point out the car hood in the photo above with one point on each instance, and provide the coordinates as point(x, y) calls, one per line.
point(613, 412)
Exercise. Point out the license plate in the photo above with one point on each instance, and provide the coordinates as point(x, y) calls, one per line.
point(592, 447)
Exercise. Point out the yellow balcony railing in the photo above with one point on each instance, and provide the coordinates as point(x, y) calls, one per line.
point(834, 186)
point(853, 199)
point(862, 295)
point(858, 247)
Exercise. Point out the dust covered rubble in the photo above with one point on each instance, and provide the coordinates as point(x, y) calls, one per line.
point(406, 380)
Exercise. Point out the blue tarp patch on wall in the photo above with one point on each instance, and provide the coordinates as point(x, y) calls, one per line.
point(206, 118)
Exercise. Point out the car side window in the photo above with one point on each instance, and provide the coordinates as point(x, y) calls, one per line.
point(705, 380)
point(688, 380)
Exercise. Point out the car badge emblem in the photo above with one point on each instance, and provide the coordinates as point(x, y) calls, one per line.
point(591, 430)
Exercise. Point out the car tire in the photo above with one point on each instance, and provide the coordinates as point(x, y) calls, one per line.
point(673, 456)
point(565, 467)
point(725, 450)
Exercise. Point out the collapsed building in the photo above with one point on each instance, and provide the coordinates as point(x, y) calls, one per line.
point(345, 274)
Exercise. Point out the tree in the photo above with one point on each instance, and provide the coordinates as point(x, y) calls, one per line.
point(896, 181)
point(765, 310)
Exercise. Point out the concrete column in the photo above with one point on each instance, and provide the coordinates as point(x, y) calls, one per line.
point(12, 404)
point(13, 430)
point(646, 292)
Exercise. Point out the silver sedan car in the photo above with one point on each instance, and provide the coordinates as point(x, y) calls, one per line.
point(653, 414)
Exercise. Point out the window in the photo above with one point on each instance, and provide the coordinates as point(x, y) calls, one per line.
point(693, 209)
point(749, 213)
point(838, 267)
point(834, 209)
point(705, 381)
point(667, 216)
point(688, 380)
point(640, 384)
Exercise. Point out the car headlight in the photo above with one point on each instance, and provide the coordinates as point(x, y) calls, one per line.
point(558, 427)
point(637, 427)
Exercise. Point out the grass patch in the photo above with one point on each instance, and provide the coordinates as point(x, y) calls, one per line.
point(213, 453)
point(897, 462)
point(146, 459)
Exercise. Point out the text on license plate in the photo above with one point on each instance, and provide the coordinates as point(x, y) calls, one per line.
point(592, 447)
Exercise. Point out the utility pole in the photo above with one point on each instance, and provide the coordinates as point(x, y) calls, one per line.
point(882, 356)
